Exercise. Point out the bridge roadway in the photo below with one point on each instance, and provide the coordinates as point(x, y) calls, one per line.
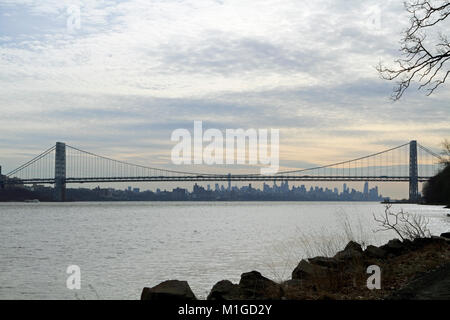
point(226, 178)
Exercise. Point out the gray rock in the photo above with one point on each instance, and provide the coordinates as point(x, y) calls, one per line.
point(306, 271)
point(224, 290)
point(348, 255)
point(351, 252)
point(253, 286)
point(394, 247)
point(352, 245)
point(375, 252)
point(293, 283)
point(324, 262)
point(171, 290)
point(408, 244)
point(446, 235)
point(421, 242)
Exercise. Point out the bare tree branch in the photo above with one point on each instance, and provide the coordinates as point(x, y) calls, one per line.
point(407, 226)
point(421, 61)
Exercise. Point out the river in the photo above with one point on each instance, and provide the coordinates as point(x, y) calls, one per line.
point(122, 247)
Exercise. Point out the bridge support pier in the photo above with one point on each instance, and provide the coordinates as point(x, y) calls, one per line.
point(60, 172)
point(413, 173)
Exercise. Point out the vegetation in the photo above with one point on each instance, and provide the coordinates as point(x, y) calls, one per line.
point(425, 49)
point(406, 226)
point(437, 189)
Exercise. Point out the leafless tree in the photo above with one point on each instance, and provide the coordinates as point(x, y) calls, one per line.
point(445, 152)
point(422, 61)
point(407, 226)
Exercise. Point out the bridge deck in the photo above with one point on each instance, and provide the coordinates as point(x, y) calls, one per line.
point(225, 178)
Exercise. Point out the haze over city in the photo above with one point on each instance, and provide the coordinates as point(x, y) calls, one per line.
point(225, 158)
point(130, 72)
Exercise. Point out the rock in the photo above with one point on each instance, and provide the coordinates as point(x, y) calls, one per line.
point(375, 252)
point(171, 290)
point(348, 255)
point(446, 235)
point(408, 243)
point(307, 271)
point(324, 262)
point(253, 286)
point(351, 252)
point(224, 290)
point(421, 242)
point(394, 247)
point(293, 283)
point(440, 240)
point(352, 245)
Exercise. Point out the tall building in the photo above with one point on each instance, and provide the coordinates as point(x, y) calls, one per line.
point(366, 188)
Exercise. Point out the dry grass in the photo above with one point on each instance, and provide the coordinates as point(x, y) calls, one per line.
point(349, 279)
point(316, 243)
point(350, 284)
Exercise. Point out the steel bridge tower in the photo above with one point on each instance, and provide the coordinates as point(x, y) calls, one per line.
point(60, 171)
point(2, 179)
point(413, 172)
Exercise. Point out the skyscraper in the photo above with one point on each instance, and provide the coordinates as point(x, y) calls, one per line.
point(366, 188)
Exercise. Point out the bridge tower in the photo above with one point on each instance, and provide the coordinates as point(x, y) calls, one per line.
point(60, 171)
point(2, 179)
point(413, 172)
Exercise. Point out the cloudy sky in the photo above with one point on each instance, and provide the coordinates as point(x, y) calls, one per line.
point(133, 71)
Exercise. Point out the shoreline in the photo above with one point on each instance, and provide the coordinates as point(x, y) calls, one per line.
point(417, 269)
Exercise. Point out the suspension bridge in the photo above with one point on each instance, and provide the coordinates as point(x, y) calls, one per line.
point(63, 164)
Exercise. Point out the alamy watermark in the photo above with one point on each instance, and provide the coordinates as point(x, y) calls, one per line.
point(73, 22)
point(372, 16)
point(235, 147)
point(73, 281)
point(374, 281)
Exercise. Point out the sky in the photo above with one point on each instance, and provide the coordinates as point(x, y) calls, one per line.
point(121, 76)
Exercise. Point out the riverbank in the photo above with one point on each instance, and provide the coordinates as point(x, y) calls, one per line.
point(418, 269)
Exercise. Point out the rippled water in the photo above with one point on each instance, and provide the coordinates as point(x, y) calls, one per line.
point(122, 247)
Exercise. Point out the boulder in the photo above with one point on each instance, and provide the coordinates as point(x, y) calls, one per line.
point(446, 235)
point(352, 245)
point(171, 290)
point(224, 290)
point(375, 252)
point(421, 242)
point(352, 252)
point(408, 244)
point(324, 262)
point(394, 247)
point(253, 286)
point(307, 271)
point(293, 283)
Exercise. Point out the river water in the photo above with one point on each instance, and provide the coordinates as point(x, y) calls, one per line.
point(122, 247)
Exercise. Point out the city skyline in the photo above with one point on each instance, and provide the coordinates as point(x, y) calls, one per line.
point(218, 192)
point(130, 74)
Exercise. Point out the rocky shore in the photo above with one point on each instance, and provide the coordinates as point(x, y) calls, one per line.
point(418, 269)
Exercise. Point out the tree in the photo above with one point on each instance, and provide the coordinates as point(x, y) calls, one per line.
point(446, 152)
point(424, 61)
point(437, 189)
point(407, 226)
